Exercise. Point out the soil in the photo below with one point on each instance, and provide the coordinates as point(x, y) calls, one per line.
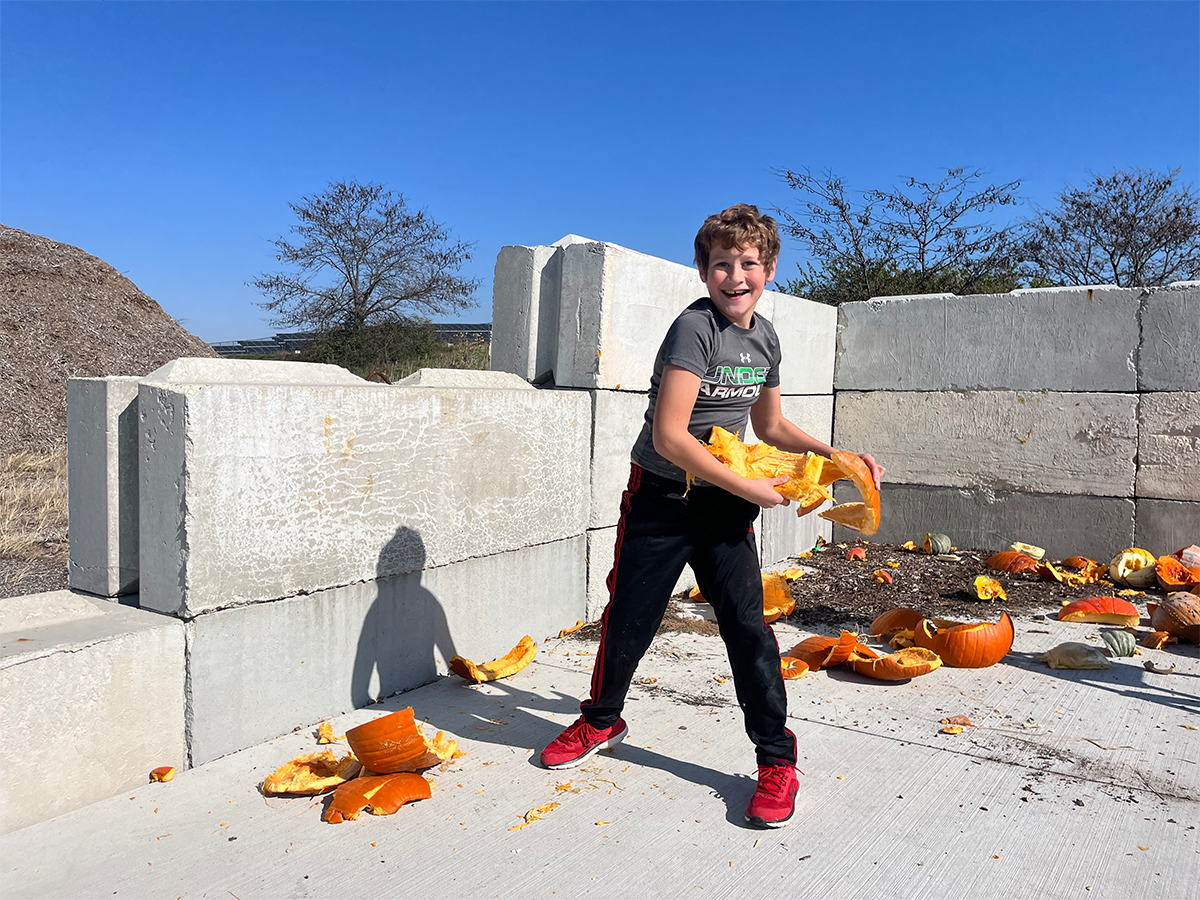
point(837, 593)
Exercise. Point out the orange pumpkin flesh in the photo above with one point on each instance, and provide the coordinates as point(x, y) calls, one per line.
point(162, 773)
point(1156, 640)
point(862, 517)
point(805, 471)
point(793, 668)
point(896, 620)
point(394, 743)
point(1101, 611)
point(380, 795)
point(512, 662)
point(973, 646)
point(899, 666)
point(1172, 575)
point(311, 773)
point(777, 594)
point(1012, 562)
point(823, 650)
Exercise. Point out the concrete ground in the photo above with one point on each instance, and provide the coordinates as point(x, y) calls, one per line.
point(1073, 784)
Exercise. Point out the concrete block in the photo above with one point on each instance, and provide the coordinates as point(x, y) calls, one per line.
point(1169, 356)
point(1065, 525)
point(262, 670)
point(1057, 339)
point(252, 492)
point(601, 543)
point(91, 697)
point(808, 335)
point(525, 297)
point(1163, 526)
point(102, 484)
point(465, 379)
point(191, 370)
point(617, 418)
point(999, 440)
point(1169, 445)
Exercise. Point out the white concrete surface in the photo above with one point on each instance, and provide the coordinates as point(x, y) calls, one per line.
point(91, 699)
point(525, 293)
point(203, 370)
point(1163, 526)
point(253, 492)
point(1169, 444)
point(617, 418)
point(1070, 443)
point(1063, 524)
point(1073, 784)
point(1169, 356)
point(102, 484)
point(464, 379)
point(808, 335)
point(259, 671)
point(1056, 339)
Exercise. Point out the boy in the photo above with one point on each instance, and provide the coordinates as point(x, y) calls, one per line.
point(718, 364)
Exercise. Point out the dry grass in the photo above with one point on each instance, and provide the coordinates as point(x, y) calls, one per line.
point(463, 355)
point(33, 506)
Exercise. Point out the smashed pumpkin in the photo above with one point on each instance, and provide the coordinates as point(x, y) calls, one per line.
point(823, 650)
point(1179, 615)
point(394, 743)
point(1133, 566)
point(162, 773)
point(380, 795)
point(1101, 611)
point(863, 516)
point(989, 588)
point(512, 662)
point(1120, 642)
point(1012, 562)
point(1173, 575)
point(967, 646)
point(792, 667)
point(808, 474)
point(899, 666)
point(311, 773)
point(937, 544)
point(1074, 655)
point(896, 620)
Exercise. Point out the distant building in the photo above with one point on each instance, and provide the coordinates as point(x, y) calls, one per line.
point(294, 341)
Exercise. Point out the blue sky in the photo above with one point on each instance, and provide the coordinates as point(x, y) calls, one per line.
point(168, 138)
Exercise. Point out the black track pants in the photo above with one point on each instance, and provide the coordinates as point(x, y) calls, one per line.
point(660, 531)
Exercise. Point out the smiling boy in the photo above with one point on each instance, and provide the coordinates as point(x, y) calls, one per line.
point(718, 365)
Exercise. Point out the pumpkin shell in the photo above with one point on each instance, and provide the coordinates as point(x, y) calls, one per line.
point(1126, 565)
point(1120, 642)
point(896, 620)
point(899, 666)
point(1189, 556)
point(863, 517)
point(380, 795)
point(512, 662)
point(1178, 614)
point(822, 650)
point(1156, 640)
point(989, 588)
point(1101, 611)
point(394, 743)
point(1011, 561)
point(937, 544)
point(1074, 655)
point(971, 646)
point(1172, 575)
point(311, 773)
point(777, 597)
point(791, 667)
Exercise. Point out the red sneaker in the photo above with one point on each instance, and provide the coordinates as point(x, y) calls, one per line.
point(775, 799)
point(579, 741)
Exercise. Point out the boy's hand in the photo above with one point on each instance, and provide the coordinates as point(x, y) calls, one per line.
point(875, 468)
point(762, 491)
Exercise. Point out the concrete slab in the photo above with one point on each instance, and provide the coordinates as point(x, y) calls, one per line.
point(601, 545)
point(1000, 440)
point(255, 492)
point(808, 334)
point(1169, 445)
point(617, 418)
point(1073, 784)
point(102, 480)
point(466, 379)
point(1163, 526)
point(262, 670)
point(1064, 524)
point(1057, 339)
point(1169, 356)
point(525, 297)
point(203, 370)
point(91, 697)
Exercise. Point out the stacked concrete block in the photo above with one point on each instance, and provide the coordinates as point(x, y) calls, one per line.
point(262, 670)
point(92, 699)
point(256, 491)
point(102, 479)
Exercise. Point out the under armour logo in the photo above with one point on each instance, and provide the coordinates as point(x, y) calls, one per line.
point(745, 357)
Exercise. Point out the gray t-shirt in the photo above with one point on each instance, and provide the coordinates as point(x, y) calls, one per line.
point(734, 365)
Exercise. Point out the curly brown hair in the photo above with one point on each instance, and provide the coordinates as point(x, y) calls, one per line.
point(742, 225)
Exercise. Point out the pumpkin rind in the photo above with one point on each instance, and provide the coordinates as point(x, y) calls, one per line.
point(1130, 567)
point(1012, 562)
point(896, 620)
point(1172, 575)
point(394, 743)
point(512, 662)
point(777, 597)
point(381, 795)
point(863, 517)
point(311, 773)
point(910, 662)
point(968, 646)
point(1119, 642)
point(937, 544)
point(822, 650)
point(1074, 655)
point(1178, 614)
point(792, 667)
point(989, 588)
point(1101, 611)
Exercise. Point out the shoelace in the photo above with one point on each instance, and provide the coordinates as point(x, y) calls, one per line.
point(772, 778)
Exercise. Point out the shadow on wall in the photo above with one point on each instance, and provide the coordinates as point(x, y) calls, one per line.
point(405, 631)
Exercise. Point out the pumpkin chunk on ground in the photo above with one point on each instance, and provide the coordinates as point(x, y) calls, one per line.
point(311, 773)
point(394, 743)
point(512, 662)
point(380, 795)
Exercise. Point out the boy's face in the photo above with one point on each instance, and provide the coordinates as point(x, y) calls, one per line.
point(736, 279)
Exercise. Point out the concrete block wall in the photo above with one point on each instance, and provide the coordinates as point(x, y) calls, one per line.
point(611, 308)
point(1063, 417)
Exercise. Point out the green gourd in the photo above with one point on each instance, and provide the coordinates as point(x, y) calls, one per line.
point(1121, 643)
point(937, 544)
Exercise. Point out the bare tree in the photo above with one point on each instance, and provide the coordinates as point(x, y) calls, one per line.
point(924, 237)
point(1133, 228)
point(361, 258)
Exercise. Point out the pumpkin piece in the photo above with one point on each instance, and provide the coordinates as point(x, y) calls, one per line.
point(862, 517)
point(792, 574)
point(967, 646)
point(1156, 640)
point(394, 743)
point(1149, 666)
point(1029, 550)
point(823, 650)
point(574, 628)
point(512, 662)
point(162, 773)
point(937, 544)
point(952, 729)
point(901, 639)
point(989, 589)
point(1078, 562)
point(1074, 655)
point(806, 472)
point(381, 795)
point(1119, 643)
point(909, 546)
point(1178, 614)
point(1101, 611)
point(325, 734)
point(896, 620)
point(1011, 561)
point(777, 597)
point(1130, 567)
point(899, 666)
point(1189, 556)
point(1047, 572)
point(695, 595)
point(1088, 570)
point(538, 812)
point(859, 553)
point(311, 773)
point(883, 576)
point(1172, 575)
point(958, 720)
point(792, 667)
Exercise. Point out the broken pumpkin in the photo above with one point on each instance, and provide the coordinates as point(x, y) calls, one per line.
point(967, 646)
point(394, 743)
point(1101, 611)
point(512, 662)
point(311, 773)
point(380, 795)
point(899, 666)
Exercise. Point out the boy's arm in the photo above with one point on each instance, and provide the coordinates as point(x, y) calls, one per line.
point(772, 427)
point(677, 392)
